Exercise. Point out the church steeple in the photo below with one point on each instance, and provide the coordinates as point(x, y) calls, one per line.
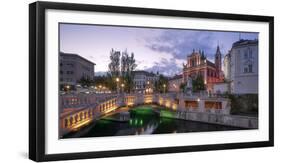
point(218, 59)
point(218, 52)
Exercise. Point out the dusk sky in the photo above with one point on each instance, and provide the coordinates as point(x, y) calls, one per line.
point(163, 50)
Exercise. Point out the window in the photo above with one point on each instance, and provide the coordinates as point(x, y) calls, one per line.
point(245, 54)
point(69, 72)
point(250, 53)
point(250, 68)
point(70, 64)
point(245, 69)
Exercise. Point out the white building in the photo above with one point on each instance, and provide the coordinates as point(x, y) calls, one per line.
point(244, 67)
point(174, 83)
point(144, 81)
point(226, 67)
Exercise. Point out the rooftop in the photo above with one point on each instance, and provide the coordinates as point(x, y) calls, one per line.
point(76, 55)
point(243, 42)
point(144, 72)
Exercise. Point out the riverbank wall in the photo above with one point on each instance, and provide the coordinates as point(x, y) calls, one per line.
point(221, 119)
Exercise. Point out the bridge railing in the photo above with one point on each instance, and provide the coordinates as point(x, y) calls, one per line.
point(84, 108)
point(77, 110)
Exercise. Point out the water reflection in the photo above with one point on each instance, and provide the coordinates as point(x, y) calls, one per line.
point(143, 121)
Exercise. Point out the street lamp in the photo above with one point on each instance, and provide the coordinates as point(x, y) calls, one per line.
point(122, 85)
point(117, 82)
point(164, 85)
point(67, 88)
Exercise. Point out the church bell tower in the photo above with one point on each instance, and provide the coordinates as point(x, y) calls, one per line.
point(218, 59)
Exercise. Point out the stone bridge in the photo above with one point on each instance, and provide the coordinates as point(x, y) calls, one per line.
point(79, 110)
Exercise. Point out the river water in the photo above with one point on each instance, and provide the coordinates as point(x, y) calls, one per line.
point(143, 120)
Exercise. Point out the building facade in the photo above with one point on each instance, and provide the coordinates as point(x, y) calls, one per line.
point(226, 67)
point(198, 64)
point(174, 83)
point(144, 81)
point(244, 67)
point(221, 88)
point(73, 67)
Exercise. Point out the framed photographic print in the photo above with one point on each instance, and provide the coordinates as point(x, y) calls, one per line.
point(111, 81)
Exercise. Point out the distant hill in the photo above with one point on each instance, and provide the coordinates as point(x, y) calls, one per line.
point(100, 73)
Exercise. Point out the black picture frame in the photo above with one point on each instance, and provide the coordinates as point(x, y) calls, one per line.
point(37, 80)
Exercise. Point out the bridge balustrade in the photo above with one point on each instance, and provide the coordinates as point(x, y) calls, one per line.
point(89, 107)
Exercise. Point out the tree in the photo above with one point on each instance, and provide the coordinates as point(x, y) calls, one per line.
point(198, 83)
point(124, 62)
point(128, 81)
point(182, 87)
point(101, 80)
point(121, 66)
point(161, 85)
point(132, 63)
point(86, 82)
point(110, 80)
point(114, 65)
point(128, 65)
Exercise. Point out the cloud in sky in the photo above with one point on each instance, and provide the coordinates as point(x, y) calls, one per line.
point(180, 43)
point(166, 67)
point(162, 50)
